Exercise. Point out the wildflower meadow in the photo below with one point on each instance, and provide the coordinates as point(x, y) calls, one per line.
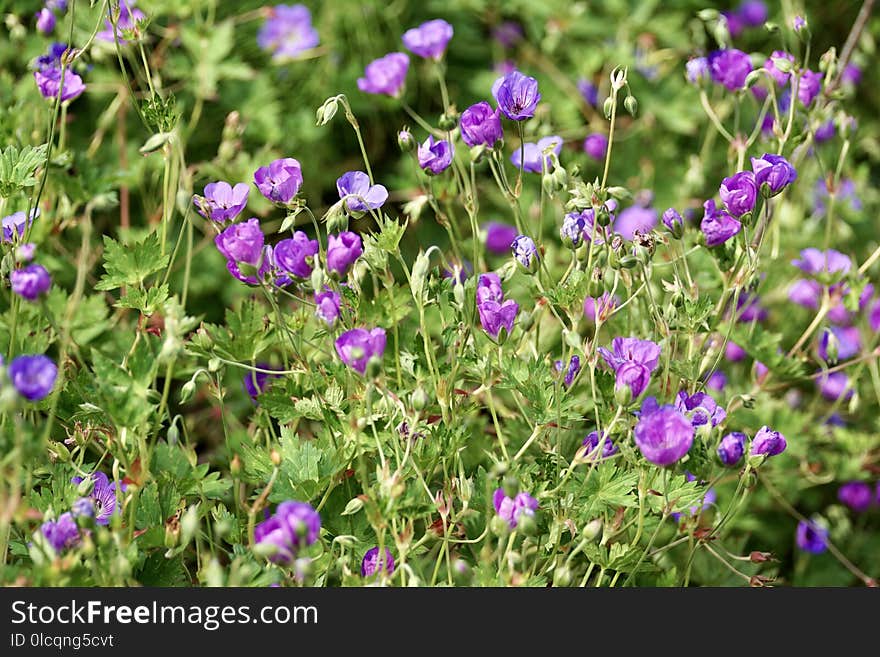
point(460, 293)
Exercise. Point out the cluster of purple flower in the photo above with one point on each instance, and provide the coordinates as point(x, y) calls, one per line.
point(29, 281)
point(496, 312)
point(33, 376)
point(287, 32)
point(293, 526)
point(512, 509)
point(99, 505)
point(57, 80)
point(128, 20)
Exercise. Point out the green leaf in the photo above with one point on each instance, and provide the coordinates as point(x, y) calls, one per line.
point(607, 489)
point(17, 168)
point(130, 264)
point(146, 301)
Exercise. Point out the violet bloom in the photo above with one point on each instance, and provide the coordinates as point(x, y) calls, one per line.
point(635, 218)
point(61, 534)
point(589, 92)
point(572, 230)
point(357, 346)
point(734, 23)
point(749, 308)
point(835, 385)
point(729, 67)
point(242, 242)
point(373, 563)
point(385, 75)
point(103, 496)
point(809, 86)
point(358, 194)
point(294, 255)
point(775, 171)
point(733, 352)
point(287, 32)
point(512, 509)
point(700, 407)
point(49, 82)
point(731, 448)
point(816, 262)
point(633, 361)
point(293, 526)
point(517, 95)
point(846, 193)
point(327, 305)
point(591, 442)
point(280, 181)
point(480, 125)
point(266, 265)
point(805, 293)
point(717, 225)
point(532, 158)
point(499, 237)
point(811, 537)
point(574, 366)
point(600, 308)
point(739, 192)
point(25, 252)
point(673, 221)
point(874, 316)
point(857, 495)
point(768, 442)
point(663, 435)
point(83, 507)
point(852, 74)
point(496, 314)
point(596, 145)
point(255, 381)
point(778, 76)
point(129, 17)
point(825, 132)
point(844, 341)
point(30, 282)
point(342, 251)
point(753, 13)
point(507, 33)
point(16, 224)
point(525, 252)
point(45, 21)
point(428, 40)
point(489, 288)
point(222, 202)
point(435, 155)
point(458, 271)
point(697, 70)
point(32, 376)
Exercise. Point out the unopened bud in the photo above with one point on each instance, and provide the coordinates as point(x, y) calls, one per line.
point(275, 457)
point(631, 105)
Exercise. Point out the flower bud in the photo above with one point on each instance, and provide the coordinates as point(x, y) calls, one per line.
point(419, 398)
point(374, 367)
point(405, 141)
point(631, 105)
point(510, 486)
point(448, 120)
point(527, 524)
point(561, 575)
point(592, 530)
point(235, 466)
point(499, 526)
point(607, 106)
point(275, 457)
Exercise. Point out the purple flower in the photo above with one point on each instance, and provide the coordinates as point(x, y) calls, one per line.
point(733, 352)
point(768, 442)
point(600, 307)
point(811, 537)
point(357, 346)
point(697, 69)
point(103, 496)
point(753, 13)
point(700, 407)
point(663, 435)
point(805, 293)
point(358, 194)
point(287, 32)
point(731, 448)
point(293, 526)
point(242, 242)
point(633, 361)
point(852, 74)
point(33, 376)
point(835, 385)
point(636, 218)
point(499, 237)
point(739, 192)
point(129, 17)
point(749, 308)
point(49, 81)
point(809, 86)
point(507, 33)
point(266, 264)
point(221, 201)
point(525, 252)
point(574, 366)
point(342, 251)
point(729, 67)
point(816, 262)
point(823, 133)
point(595, 145)
point(735, 25)
point(294, 255)
point(845, 340)
point(280, 181)
point(428, 40)
point(589, 92)
point(512, 509)
point(61, 534)
point(497, 314)
point(15, 225)
point(435, 155)
point(83, 507)
point(517, 95)
point(717, 225)
point(532, 158)
point(30, 282)
point(591, 442)
point(846, 191)
point(489, 288)
point(45, 21)
point(778, 76)
point(480, 125)
point(385, 75)
point(458, 271)
point(673, 221)
point(874, 316)
point(327, 305)
point(775, 171)
point(857, 495)
point(372, 562)
point(255, 381)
